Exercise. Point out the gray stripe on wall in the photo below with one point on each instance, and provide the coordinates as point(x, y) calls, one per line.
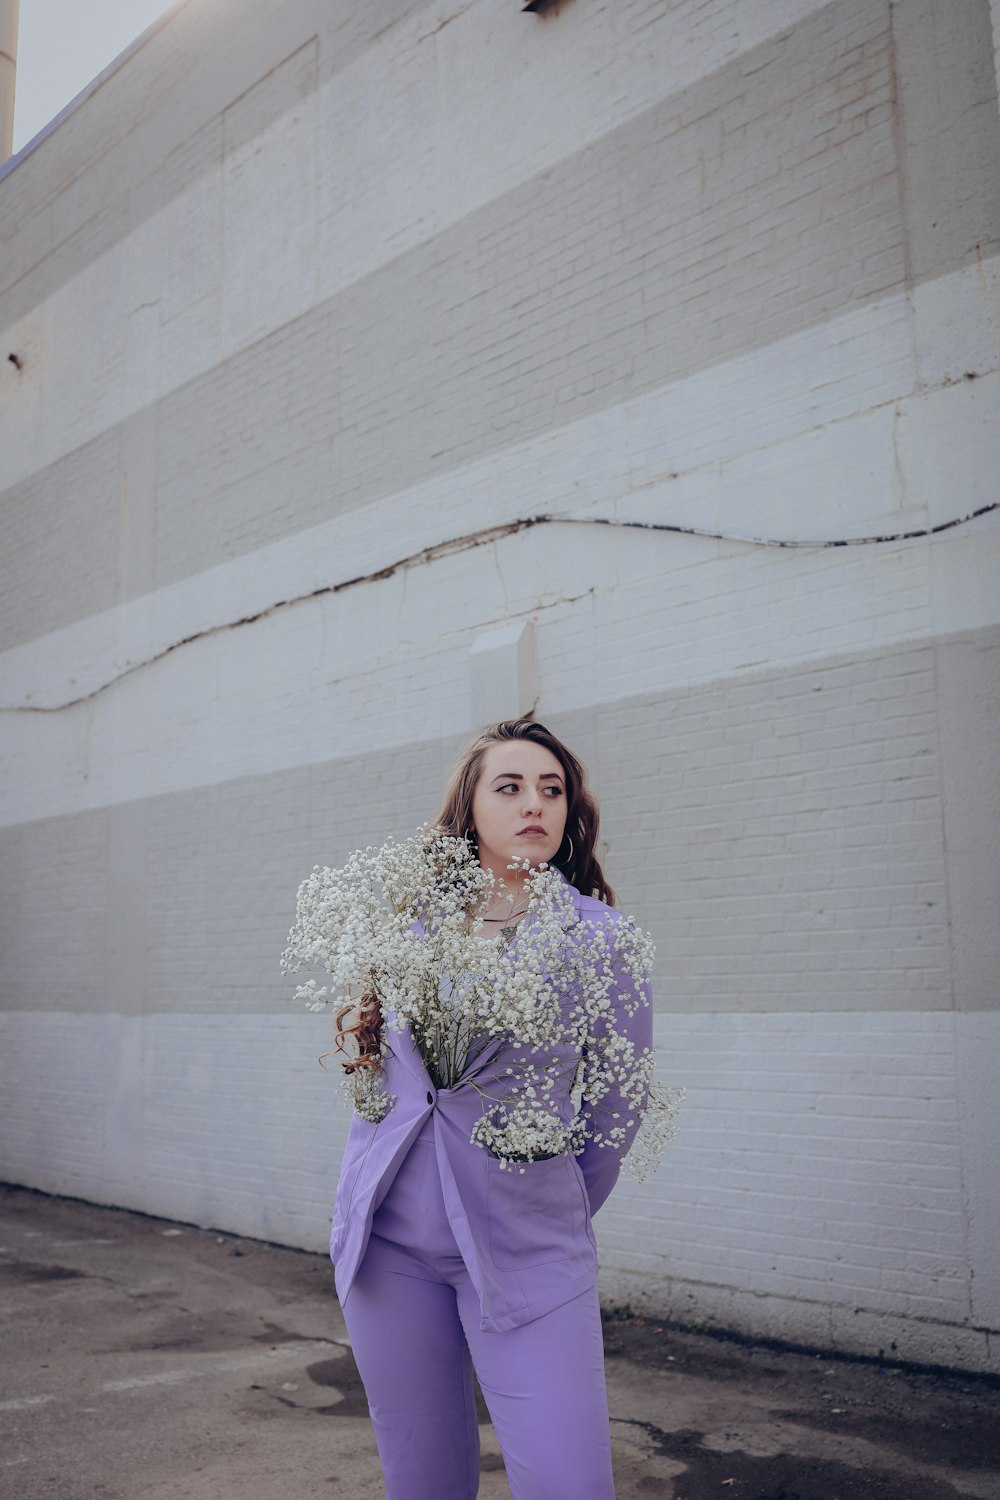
point(782, 835)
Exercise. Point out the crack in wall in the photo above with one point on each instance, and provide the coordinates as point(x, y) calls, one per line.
point(487, 536)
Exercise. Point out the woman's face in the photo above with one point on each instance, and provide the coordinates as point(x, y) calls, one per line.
point(521, 786)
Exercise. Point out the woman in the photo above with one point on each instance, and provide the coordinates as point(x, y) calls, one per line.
point(444, 1263)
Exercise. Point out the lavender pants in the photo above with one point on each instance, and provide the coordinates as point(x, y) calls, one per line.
point(412, 1316)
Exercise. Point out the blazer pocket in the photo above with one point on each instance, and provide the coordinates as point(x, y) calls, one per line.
point(534, 1217)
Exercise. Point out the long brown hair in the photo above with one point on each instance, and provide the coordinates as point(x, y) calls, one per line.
point(576, 856)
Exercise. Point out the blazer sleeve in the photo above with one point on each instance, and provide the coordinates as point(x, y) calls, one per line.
point(601, 1165)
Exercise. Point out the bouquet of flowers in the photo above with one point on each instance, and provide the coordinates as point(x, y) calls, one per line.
point(529, 1024)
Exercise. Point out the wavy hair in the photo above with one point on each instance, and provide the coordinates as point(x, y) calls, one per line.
point(579, 862)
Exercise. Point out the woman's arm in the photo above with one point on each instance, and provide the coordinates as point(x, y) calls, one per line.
point(601, 1164)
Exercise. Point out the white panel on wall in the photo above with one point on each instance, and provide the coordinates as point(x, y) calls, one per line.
point(503, 666)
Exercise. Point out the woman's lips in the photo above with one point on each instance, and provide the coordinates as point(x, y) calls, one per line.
point(532, 833)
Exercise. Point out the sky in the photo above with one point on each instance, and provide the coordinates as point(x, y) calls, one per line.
point(62, 45)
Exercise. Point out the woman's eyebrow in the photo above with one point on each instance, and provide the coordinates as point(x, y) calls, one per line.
point(516, 776)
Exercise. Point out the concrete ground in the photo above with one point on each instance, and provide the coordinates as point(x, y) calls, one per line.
point(145, 1360)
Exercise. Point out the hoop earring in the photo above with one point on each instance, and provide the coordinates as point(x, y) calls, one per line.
point(569, 856)
point(473, 843)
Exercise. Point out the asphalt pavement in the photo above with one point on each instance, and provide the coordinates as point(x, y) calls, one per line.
point(146, 1360)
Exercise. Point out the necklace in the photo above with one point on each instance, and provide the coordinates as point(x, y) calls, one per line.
point(508, 917)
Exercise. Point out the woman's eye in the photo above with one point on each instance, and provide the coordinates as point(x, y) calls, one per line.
point(557, 790)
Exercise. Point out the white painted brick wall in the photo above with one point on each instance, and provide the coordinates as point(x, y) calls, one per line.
point(852, 1142)
point(300, 297)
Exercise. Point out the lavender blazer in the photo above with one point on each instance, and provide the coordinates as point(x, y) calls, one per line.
point(526, 1239)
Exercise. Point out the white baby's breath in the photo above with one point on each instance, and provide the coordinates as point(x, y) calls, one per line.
point(532, 1023)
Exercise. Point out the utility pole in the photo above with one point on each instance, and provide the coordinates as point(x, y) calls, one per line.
point(8, 70)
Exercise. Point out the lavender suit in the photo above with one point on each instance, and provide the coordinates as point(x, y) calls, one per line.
point(423, 1217)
